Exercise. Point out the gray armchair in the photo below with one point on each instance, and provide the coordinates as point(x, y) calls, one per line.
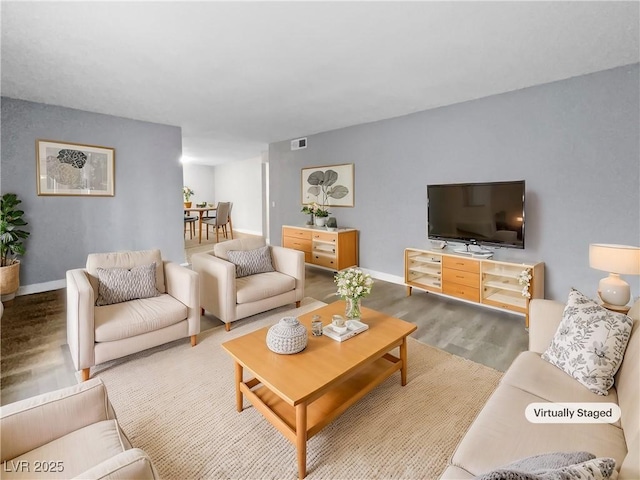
point(231, 298)
point(74, 431)
point(97, 334)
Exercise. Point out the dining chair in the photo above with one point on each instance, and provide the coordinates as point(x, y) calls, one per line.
point(220, 221)
point(190, 222)
point(230, 224)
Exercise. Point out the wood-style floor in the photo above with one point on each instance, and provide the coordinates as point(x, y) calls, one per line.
point(34, 356)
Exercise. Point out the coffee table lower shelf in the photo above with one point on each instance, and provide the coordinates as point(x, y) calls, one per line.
point(316, 413)
point(334, 402)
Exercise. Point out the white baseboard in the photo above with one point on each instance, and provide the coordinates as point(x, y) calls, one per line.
point(62, 283)
point(42, 287)
point(387, 277)
point(248, 232)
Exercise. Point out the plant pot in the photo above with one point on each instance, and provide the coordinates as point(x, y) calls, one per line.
point(321, 221)
point(9, 282)
point(187, 204)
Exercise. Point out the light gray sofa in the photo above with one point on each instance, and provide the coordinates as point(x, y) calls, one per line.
point(501, 434)
point(230, 298)
point(97, 334)
point(69, 433)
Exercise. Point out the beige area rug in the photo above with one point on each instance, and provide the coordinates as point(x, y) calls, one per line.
point(178, 404)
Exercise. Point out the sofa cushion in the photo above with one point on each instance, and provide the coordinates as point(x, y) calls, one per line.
point(530, 373)
point(263, 285)
point(590, 342)
point(501, 434)
point(75, 452)
point(627, 380)
point(127, 259)
point(117, 285)
point(124, 320)
point(251, 262)
point(249, 243)
point(534, 468)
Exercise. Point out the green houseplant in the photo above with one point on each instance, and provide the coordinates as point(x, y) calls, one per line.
point(11, 236)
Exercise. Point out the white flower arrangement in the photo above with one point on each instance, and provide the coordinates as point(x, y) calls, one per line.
point(319, 210)
point(524, 279)
point(353, 283)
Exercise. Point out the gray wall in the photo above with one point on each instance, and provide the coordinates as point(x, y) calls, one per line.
point(575, 142)
point(143, 213)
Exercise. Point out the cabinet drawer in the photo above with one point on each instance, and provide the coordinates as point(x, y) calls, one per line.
point(461, 277)
point(324, 261)
point(461, 291)
point(297, 244)
point(325, 237)
point(296, 233)
point(460, 263)
point(506, 305)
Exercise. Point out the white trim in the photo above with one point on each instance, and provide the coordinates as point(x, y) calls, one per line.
point(387, 277)
point(42, 287)
point(249, 232)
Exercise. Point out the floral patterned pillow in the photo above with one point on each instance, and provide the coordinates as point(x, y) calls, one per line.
point(590, 342)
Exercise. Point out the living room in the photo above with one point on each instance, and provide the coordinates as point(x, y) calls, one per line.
point(574, 139)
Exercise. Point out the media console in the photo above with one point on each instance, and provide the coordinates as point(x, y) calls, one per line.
point(490, 283)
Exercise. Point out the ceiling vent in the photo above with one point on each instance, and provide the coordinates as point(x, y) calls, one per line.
point(299, 143)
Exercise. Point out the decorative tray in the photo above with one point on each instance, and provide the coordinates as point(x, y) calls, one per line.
point(354, 327)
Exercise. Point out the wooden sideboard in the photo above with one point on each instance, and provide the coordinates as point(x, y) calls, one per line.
point(329, 249)
point(483, 281)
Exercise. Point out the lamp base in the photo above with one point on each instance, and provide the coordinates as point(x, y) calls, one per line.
point(614, 291)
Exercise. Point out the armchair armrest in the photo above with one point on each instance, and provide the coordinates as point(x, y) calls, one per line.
point(544, 318)
point(31, 423)
point(217, 285)
point(132, 464)
point(183, 285)
point(290, 262)
point(80, 318)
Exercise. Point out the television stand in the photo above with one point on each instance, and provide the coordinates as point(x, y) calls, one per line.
point(490, 283)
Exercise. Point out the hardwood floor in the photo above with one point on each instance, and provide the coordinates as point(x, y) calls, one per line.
point(35, 358)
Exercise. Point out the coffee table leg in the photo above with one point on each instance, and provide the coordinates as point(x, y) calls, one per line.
point(238, 369)
point(403, 359)
point(301, 438)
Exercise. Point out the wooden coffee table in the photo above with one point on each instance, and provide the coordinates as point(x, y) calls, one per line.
point(300, 394)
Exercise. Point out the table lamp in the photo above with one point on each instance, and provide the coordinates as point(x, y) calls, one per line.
point(617, 260)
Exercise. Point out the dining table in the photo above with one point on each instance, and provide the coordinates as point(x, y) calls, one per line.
point(201, 215)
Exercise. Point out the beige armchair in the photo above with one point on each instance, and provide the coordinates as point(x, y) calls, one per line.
point(97, 334)
point(69, 433)
point(230, 298)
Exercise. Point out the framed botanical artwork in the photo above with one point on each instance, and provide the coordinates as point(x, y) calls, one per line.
point(329, 185)
point(65, 168)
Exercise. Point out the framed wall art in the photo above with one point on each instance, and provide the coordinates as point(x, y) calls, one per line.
point(329, 185)
point(65, 168)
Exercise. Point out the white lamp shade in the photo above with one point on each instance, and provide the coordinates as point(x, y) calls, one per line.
point(620, 259)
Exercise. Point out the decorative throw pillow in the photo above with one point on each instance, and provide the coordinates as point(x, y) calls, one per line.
point(590, 342)
point(250, 262)
point(555, 466)
point(116, 285)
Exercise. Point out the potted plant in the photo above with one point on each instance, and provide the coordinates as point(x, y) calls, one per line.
point(187, 193)
point(11, 236)
point(320, 213)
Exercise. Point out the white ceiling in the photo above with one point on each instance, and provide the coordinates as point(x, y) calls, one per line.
point(239, 75)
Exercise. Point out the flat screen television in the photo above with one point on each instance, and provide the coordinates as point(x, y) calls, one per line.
point(477, 213)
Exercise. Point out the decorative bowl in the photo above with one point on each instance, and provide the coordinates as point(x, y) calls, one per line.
point(201, 205)
point(288, 336)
